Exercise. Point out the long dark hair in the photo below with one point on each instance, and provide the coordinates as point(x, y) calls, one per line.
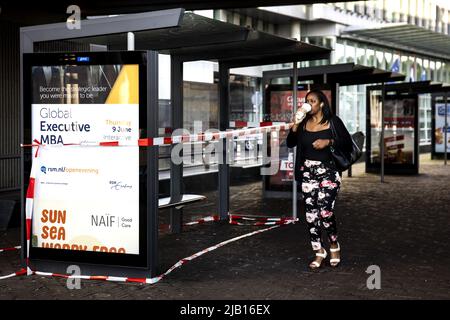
point(326, 109)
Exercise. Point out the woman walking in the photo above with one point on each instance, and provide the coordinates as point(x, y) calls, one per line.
point(316, 172)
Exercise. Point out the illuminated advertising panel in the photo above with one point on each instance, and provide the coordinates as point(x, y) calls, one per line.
point(88, 204)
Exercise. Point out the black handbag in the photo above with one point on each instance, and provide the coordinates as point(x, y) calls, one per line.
point(343, 160)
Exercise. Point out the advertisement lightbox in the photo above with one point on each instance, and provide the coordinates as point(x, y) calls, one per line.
point(89, 205)
point(439, 128)
point(400, 133)
point(279, 107)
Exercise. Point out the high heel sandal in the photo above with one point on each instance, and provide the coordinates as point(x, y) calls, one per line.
point(315, 264)
point(334, 262)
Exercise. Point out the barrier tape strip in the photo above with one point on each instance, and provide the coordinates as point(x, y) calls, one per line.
point(275, 223)
point(233, 124)
point(203, 220)
point(11, 249)
point(257, 218)
point(22, 272)
point(260, 221)
point(240, 124)
point(153, 280)
point(187, 138)
point(166, 226)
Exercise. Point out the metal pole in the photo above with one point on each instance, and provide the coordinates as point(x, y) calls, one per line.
point(130, 41)
point(382, 133)
point(176, 170)
point(26, 46)
point(446, 129)
point(152, 163)
point(294, 108)
point(224, 123)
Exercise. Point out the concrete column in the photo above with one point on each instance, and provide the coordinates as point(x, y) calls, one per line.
point(333, 58)
point(236, 19)
point(296, 30)
point(220, 15)
point(248, 22)
point(260, 25)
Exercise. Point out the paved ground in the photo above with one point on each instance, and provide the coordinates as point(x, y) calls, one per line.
point(402, 226)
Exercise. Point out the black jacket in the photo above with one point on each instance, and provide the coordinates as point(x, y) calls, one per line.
point(342, 142)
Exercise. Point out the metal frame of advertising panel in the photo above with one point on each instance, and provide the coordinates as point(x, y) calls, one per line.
point(394, 168)
point(439, 102)
point(285, 189)
point(114, 264)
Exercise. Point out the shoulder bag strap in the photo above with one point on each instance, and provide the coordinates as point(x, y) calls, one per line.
point(333, 129)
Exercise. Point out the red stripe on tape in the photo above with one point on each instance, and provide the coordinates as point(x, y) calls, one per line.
point(9, 249)
point(138, 280)
point(265, 124)
point(103, 278)
point(37, 150)
point(145, 142)
point(109, 144)
point(168, 140)
point(21, 272)
point(238, 124)
point(28, 229)
point(30, 190)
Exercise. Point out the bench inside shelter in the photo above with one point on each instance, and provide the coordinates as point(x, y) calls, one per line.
point(178, 203)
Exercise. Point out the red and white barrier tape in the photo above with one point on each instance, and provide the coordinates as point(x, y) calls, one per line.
point(10, 249)
point(154, 280)
point(260, 221)
point(233, 124)
point(257, 218)
point(187, 138)
point(200, 221)
point(241, 124)
point(203, 220)
point(22, 272)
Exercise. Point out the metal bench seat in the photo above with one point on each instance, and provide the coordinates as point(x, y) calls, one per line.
point(185, 200)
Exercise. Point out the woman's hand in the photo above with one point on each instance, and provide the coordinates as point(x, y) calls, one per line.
point(321, 143)
point(294, 125)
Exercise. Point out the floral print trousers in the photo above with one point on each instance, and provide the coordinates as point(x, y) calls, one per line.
point(320, 186)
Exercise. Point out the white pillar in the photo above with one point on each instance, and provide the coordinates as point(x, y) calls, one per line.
point(130, 41)
point(296, 30)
